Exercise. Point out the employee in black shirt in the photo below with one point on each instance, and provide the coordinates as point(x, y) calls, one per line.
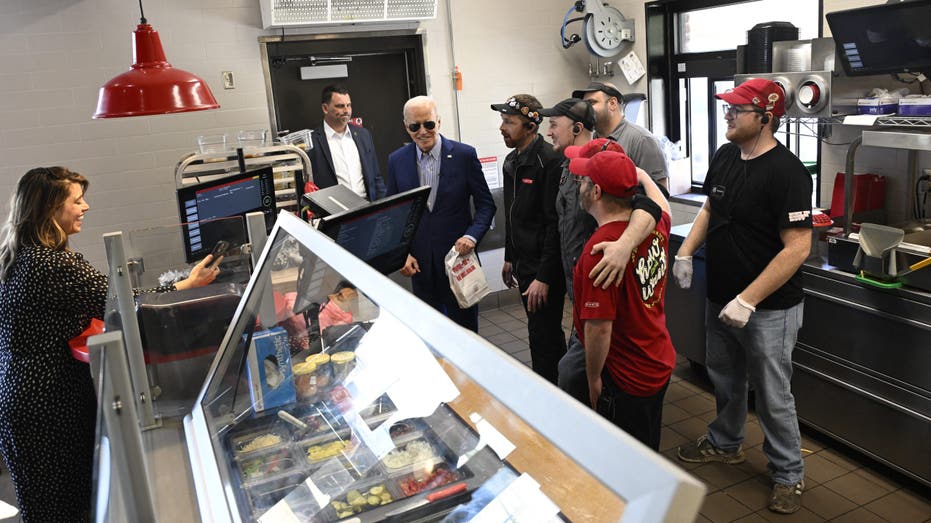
point(756, 226)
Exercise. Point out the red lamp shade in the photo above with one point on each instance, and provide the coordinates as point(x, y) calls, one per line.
point(152, 86)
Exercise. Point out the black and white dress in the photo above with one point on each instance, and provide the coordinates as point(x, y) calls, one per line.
point(47, 399)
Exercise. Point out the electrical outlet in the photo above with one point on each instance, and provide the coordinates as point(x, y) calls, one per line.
point(228, 82)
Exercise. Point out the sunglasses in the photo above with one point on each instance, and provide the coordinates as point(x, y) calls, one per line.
point(428, 125)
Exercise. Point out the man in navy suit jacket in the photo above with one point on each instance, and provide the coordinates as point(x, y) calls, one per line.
point(344, 153)
point(453, 171)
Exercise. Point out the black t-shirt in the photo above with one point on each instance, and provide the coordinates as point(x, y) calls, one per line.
point(751, 202)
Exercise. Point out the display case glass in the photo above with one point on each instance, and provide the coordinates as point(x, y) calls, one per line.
point(339, 396)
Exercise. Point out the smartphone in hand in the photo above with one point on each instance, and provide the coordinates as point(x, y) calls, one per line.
point(219, 250)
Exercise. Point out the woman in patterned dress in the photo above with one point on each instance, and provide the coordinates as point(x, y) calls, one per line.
point(48, 295)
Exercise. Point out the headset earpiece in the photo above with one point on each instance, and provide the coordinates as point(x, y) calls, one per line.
point(576, 129)
point(765, 119)
point(529, 125)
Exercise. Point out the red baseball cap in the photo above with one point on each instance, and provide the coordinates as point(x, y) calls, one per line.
point(614, 172)
point(760, 92)
point(592, 148)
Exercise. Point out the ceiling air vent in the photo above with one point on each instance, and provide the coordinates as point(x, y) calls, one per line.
point(286, 13)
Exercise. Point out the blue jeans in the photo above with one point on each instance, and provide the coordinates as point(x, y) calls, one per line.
point(760, 352)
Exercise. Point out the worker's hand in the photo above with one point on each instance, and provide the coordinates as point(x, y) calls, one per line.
point(736, 313)
point(536, 295)
point(464, 246)
point(410, 267)
point(203, 273)
point(682, 271)
point(594, 391)
point(610, 268)
point(507, 276)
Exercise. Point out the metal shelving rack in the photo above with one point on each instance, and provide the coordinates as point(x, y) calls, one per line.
point(290, 164)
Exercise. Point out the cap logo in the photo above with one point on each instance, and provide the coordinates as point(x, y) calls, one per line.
point(773, 98)
point(534, 116)
point(755, 100)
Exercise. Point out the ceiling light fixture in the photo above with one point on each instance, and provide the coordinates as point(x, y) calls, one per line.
point(152, 85)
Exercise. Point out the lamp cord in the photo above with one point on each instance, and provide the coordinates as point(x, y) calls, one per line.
point(142, 13)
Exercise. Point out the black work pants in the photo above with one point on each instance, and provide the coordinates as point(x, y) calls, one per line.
point(545, 335)
point(639, 416)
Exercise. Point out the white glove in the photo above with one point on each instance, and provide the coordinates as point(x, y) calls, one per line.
point(736, 313)
point(682, 270)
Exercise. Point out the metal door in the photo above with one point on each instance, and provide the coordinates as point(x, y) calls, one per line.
point(384, 71)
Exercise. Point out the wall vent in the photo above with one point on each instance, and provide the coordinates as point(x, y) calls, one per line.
point(288, 13)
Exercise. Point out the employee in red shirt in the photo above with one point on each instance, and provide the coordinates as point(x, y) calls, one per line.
point(629, 355)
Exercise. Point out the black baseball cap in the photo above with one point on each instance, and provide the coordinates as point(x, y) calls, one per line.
point(576, 109)
point(606, 88)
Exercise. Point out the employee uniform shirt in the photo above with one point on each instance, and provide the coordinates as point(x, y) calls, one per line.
point(575, 225)
point(346, 161)
point(641, 356)
point(642, 147)
point(751, 202)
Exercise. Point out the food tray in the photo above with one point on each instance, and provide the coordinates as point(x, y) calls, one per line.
point(380, 410)
point(417, 482)
point(367, 496)
point(412, 455)
point(321, 422)
point(246, 443)
point(316, 452)
point(262, 465)
point(405, 430)
point(264, 495)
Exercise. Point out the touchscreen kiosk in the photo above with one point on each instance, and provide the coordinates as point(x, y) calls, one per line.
point(380, 233)
point(202, 206)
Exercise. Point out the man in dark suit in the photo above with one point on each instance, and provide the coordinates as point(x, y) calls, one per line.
point(453, 171)
point(343, 153)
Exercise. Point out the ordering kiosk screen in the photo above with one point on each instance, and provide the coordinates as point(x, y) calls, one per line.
point(204, 205)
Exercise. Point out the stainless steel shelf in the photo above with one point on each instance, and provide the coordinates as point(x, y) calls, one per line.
point(912, 139)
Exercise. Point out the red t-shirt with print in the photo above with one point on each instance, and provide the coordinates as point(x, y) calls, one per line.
point(641, 357)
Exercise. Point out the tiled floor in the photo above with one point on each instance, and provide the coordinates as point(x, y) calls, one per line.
point(841, 485)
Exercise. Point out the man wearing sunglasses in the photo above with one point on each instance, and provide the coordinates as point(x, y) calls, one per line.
point(531, 251)
point(639, 143)
point(453, 172)
point(344, 153)
point(755, 225)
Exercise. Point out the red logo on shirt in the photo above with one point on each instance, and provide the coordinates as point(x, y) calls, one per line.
point(592, 305)
point(526, 180)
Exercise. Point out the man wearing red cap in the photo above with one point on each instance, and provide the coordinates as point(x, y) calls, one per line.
point(629, 355)
point(756, 227)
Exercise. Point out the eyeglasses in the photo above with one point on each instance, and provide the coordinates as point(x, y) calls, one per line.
point(428, 125)
point(734, 112)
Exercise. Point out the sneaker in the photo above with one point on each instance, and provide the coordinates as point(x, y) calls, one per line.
point(702, 451)
point(786, 499)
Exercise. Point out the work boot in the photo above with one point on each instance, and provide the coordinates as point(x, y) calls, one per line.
point(702, 451)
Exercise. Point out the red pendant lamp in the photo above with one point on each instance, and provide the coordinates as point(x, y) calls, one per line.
point(152, 85)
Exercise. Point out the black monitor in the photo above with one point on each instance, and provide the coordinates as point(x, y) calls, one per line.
point(202, 207)
point(887, 38)
point(379, 233)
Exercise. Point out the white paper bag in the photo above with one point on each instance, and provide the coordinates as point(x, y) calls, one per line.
point(466, 278)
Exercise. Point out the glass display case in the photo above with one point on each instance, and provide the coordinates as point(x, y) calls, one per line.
point(355, 401)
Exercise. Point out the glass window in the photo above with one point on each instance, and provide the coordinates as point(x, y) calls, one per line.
point(701, 31)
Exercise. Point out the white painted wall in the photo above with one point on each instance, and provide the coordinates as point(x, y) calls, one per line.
point(55, 54)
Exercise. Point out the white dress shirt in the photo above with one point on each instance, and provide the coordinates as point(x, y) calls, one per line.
point(346, 160)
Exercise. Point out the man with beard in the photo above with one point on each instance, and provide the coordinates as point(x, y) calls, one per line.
point(531, 251)
point(344, 153)
point(639, 143)
point(628, 352)
point(571, 122)
point(453, 172)
point(756, 228)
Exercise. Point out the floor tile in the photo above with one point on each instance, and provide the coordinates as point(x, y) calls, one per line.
point(756, 462)
point(499, 339)
point(901, 506)
point(876, 477)
point(677, 391)
point(841, 460)
point(673, 414)
point(802, 516)
point(670, 439)
point(697, 404)
point(720, 508)
point(753, 435)
point(753, 492)
point(860, 515)
point(751, 518)
point(720, 475)
point(490, 330)
point(822, 470)
point(826, 502)
point(857, 488)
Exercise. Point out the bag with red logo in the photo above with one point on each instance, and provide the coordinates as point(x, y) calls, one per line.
point(466, 278)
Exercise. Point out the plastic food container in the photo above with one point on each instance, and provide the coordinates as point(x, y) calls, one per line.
point(321, 423)
point(364, 497)
point(263, 465)
point(421, 481)
point(212, 143)
point(412, 456)
point(343, 363)
point(250, 442)
point(305, 381)
point(324, 370)
point(299, 139)
point(316, 452)
point(266, 494)
point(380, 410)
point(252, 137)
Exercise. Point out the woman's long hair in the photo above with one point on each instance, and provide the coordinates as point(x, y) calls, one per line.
point(41, 192)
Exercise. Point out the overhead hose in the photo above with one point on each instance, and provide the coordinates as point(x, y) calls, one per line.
point(574, 38)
